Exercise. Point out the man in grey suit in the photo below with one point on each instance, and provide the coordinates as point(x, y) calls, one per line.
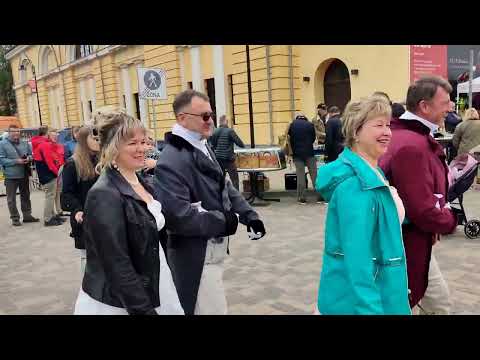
point(200, 207)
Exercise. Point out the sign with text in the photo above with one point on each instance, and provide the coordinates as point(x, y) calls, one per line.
point(428, 60)
point(152, 84)
point(459, 60)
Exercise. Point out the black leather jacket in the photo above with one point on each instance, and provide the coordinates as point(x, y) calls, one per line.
point(122, 243)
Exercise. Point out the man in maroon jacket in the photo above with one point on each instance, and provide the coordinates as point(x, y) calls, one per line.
point(415, 165)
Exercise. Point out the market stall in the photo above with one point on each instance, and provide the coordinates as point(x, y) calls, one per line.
point(257, 161)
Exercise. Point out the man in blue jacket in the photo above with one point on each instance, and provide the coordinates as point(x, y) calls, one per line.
point(302, 136)
point(15, 156)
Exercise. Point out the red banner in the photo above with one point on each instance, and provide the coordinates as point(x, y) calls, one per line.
point(32, 85)
point(428, 60)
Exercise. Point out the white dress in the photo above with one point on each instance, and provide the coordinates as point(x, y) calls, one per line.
point(169, 302)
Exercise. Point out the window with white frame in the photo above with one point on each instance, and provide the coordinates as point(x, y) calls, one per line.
point(83, 51)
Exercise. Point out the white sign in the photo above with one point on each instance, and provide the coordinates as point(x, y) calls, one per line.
point(152, 84)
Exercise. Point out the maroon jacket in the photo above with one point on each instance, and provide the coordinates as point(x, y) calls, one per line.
point(415, 165)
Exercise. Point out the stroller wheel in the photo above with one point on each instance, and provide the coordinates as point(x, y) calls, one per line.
point(472, 229)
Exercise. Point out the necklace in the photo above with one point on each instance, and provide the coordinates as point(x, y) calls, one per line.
point(134, 183)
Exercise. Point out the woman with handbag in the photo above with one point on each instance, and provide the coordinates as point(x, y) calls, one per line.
point(78, 177)
point(364, 266)
point(126, 270)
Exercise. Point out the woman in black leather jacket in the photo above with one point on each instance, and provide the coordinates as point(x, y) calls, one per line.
point(126, 270)
point(78, 176)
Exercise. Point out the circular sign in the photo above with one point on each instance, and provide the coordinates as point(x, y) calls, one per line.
point(152, 80)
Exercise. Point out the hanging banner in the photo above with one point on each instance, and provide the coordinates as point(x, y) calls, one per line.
point(428, 60)
point(33, 85)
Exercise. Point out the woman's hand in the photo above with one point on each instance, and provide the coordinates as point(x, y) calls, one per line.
point(79, 217)
point(150, 163)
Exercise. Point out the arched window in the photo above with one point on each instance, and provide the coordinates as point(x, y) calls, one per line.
point(337, 85)
point(46, 60)
point(23, 71)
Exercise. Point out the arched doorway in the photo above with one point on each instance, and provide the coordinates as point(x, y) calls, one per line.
point(336, 84)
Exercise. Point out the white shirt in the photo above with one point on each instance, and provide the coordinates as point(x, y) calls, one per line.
point(169, 302)
point(194, 138)
point(407, 115)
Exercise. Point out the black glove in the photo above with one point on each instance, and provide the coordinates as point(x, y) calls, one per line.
point(231, 223)
point(256, 229)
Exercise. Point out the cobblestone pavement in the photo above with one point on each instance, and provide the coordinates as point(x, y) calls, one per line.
point(279, 274)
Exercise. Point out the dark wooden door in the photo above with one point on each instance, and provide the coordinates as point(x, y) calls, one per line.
point(337, 91)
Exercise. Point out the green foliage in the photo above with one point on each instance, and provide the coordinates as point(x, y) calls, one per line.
point(8, 105)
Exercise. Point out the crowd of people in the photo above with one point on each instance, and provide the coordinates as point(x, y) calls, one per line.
point(153, 229)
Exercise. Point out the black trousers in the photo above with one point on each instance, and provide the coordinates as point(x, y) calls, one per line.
point(230, 167)
point(12, 185)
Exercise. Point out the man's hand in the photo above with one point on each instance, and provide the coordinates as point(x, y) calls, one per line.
point(150, 164)
point(22, 161)
point(256, 229)
point(79, 217)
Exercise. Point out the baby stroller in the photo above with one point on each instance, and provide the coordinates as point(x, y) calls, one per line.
point(463, 171)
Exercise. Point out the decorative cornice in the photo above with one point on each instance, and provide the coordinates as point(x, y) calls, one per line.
point(16, 51)
point(86, 59)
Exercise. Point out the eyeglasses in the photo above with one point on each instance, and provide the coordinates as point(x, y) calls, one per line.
point(205, 116)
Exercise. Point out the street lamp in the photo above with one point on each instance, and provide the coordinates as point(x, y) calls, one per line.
point(21, 68)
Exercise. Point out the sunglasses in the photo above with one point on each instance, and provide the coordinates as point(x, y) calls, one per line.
point(205, 116)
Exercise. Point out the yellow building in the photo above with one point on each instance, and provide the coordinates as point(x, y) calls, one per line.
point(74, 80)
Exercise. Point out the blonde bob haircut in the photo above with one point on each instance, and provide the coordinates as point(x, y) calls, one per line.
point(115, 128)
point(471, 114)
point(358, 112)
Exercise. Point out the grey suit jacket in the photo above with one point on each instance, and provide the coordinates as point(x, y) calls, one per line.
point(185, 175)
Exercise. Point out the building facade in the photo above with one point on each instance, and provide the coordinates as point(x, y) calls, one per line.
point(74, 80)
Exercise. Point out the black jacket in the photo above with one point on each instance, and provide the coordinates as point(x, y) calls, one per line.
point(222, 142)
point(122, 243)
point(334, 138)
point(185, 175)
point(451, 122)
point(73, 197)
point(302, 136)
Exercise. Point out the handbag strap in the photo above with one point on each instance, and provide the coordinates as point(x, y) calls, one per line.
point(16, 149)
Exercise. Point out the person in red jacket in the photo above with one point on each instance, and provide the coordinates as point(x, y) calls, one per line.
point(51, 159)
point(415, 165)
point(37, 140)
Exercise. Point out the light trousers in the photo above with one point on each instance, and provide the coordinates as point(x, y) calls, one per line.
point(436, 300)
point(52, 205)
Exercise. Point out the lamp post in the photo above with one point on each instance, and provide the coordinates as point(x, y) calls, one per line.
point(22, 67)
point(250, 105)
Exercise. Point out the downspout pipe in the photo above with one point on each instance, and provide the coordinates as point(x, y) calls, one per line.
point(269, 87)
point(290, 71)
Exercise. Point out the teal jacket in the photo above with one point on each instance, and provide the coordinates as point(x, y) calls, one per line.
point(364, 266)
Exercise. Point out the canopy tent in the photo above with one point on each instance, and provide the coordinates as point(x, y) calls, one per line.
point(462, 88)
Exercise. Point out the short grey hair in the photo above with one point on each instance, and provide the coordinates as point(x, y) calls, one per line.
point(425, 89)
point(185, 98)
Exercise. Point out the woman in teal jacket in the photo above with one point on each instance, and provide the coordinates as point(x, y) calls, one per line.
point(364, 266)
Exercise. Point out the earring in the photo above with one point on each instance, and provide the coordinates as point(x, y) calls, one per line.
point(114, 165)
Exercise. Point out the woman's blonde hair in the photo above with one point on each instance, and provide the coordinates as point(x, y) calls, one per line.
point(115, 127)
point(471, 114)
point(358, 112)
point(82, 155)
